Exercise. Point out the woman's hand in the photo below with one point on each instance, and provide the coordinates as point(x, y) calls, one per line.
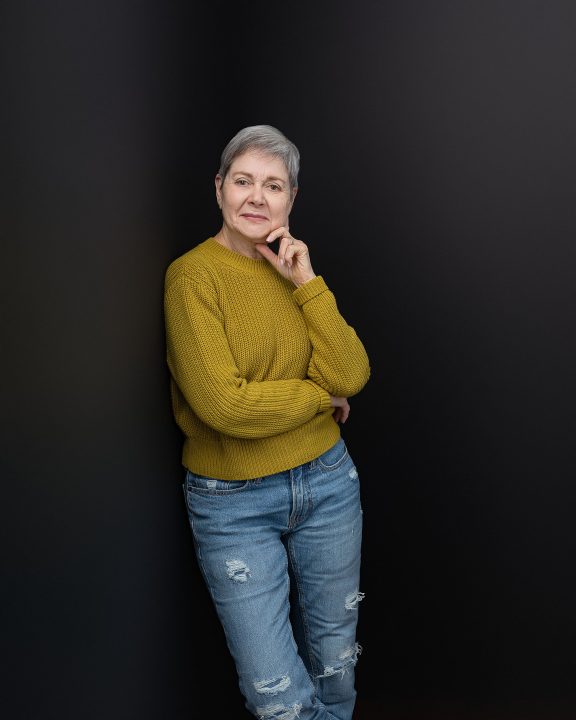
point(292, 261)
point(342, 410)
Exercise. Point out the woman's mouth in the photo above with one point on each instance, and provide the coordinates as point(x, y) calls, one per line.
point(255, 218)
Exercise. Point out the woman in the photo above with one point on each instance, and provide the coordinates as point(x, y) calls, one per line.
point(262, 364)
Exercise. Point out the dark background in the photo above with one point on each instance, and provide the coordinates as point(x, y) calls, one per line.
point(437, 195)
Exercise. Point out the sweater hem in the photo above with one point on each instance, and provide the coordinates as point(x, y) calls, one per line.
point(234, 458)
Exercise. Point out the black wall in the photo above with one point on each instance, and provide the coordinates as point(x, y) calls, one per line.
point(438, 199)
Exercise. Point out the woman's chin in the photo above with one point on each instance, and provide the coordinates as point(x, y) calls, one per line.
point(257, 236)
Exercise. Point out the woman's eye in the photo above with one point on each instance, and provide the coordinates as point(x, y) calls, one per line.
point(241, 181)
point(274, 187)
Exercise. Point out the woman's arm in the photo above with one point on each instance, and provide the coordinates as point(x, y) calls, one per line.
point(339, 362)
point(203, 367)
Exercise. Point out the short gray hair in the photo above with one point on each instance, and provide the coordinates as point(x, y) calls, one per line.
point(268, 140)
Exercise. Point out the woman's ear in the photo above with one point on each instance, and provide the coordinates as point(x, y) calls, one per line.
point(218, 184)
point(294, 191)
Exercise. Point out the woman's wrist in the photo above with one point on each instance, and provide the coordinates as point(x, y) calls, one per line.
point(304, 281)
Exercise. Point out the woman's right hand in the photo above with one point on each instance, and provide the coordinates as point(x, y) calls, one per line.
point(342, 410)
point(293, 259)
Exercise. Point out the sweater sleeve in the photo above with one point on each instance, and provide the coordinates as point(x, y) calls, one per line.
point(204, 369)
point(339, 362)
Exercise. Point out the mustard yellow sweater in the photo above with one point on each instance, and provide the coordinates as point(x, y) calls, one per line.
point(253, 362)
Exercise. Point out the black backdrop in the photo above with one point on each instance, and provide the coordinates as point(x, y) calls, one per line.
point(438, 199)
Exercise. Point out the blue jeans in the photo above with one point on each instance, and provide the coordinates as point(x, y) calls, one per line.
point(281, 558)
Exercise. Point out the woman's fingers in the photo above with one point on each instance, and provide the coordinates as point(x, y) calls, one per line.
point(287, 246)
point(286, 250)
point(292, 260)
point(285, 238)
point(344, 412)
point(341, 409)
point(277, 234)
point(273, 259)
point(294, 255)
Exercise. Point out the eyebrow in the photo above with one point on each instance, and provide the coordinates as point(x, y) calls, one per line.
point(270, 177)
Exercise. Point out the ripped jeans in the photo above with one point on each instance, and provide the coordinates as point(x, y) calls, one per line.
point(281, 558)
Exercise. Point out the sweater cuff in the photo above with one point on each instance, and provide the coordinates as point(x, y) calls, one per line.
point(309, 290)
point(324, 397)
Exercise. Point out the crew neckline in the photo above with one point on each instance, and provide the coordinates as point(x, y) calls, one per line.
point(231, 257)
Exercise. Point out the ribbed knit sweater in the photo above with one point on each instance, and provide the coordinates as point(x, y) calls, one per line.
point(253, 362)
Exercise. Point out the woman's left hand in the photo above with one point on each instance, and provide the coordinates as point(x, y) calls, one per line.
point(292, 260)
point(341, 408)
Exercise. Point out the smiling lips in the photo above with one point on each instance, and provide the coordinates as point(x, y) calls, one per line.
point(254, 216)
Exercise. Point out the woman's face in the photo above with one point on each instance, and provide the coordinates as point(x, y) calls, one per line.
point(255, 195)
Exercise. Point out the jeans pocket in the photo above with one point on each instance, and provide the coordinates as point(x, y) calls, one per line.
point(334, 456)
point(203, 485)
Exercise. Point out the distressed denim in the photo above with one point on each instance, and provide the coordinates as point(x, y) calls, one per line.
point(281, 558)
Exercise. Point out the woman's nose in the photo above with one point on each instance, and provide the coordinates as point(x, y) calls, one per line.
point(256, 195)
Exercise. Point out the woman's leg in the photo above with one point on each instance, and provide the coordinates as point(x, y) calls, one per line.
point(324, 550)
point(237, 530)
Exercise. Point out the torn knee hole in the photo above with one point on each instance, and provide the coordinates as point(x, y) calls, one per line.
point(237, 570)
point(272, 687)
point(279, 712)
point(352, 599)
point(346, 661)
